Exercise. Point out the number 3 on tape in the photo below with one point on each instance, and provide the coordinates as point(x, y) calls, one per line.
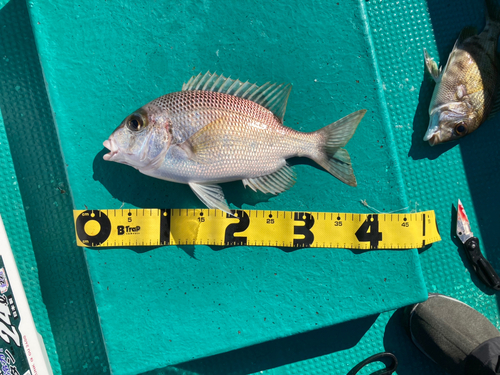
point(304, 230)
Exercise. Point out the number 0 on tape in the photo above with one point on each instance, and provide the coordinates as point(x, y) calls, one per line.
point(157, 227)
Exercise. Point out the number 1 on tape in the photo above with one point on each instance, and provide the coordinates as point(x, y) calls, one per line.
point(157, 227)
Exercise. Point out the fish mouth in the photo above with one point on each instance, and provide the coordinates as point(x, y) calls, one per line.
point(432, 134)
point(112, 147)
point(432, 137)
point(433, 140)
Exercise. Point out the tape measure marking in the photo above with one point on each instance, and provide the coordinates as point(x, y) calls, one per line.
point(156, 227)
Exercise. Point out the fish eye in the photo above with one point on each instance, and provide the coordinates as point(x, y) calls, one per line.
point(135, 123)
point(461, 128)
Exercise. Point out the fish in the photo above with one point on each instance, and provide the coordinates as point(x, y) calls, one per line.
point(465, 95)
point(217, 130)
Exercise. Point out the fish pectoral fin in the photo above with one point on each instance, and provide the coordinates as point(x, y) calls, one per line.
point(205, 145)
point(187, 148)
point(431, 66)
point(273, 96)
point(496, 106)
point(211, 195)
point(274, 183)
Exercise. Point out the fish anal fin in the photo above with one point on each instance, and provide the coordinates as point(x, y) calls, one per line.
point(274, 183)
point(272, 96)
point(211, 195)
point(431, 66)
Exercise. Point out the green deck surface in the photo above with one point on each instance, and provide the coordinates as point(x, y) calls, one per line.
point(14, 219)
point(177, 304)
point(240, 310)
point(42, 181)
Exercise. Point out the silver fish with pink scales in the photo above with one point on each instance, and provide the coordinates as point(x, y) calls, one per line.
point(218, 130)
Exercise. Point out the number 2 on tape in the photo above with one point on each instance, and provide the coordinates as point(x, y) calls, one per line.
point(230, 236)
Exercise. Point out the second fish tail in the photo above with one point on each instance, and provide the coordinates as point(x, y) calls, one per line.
point(493, 16)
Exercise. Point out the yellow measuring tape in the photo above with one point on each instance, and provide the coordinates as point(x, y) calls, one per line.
point(157, 227)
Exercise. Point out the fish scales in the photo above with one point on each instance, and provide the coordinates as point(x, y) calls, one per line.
point(192, 110)
point(251, 139)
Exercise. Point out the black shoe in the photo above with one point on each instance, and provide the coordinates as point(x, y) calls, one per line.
point(455, 336)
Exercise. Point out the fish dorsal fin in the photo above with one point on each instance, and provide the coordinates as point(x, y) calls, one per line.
point(272, 96)
point(466, 32)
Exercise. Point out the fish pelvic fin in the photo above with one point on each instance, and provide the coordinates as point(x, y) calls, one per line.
point(333, 157)
point(211, 195)
point(431, 66)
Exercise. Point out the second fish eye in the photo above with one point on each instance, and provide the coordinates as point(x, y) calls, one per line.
point(135, 123)
point(461, 129)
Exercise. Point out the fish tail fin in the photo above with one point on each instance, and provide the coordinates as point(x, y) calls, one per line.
point(332, 138)
point(492, 18)
point(493, 10)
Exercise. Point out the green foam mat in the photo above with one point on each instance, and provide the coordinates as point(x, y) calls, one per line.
point(181, 303)
point(438, 176)
point(42, 181)
point(14, 219)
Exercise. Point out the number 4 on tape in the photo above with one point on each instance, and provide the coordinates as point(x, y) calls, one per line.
point(156, 227)
point(369, 232)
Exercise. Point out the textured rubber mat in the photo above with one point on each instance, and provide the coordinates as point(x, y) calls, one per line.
point(42, 182)
point(14, 219)
point(165, 306)
point(438, 176)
